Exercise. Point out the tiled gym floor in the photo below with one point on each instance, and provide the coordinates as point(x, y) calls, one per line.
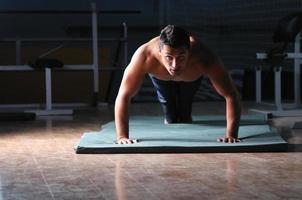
point(37, 161)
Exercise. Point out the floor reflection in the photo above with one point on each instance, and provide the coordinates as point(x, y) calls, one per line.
point(1, 196)
point(231, 174)
point(120, 182)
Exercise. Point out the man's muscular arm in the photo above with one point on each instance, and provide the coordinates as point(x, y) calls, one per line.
point(132, 79)
point(224, 85)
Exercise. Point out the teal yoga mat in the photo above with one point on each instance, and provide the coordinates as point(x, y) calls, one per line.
point(200, 136)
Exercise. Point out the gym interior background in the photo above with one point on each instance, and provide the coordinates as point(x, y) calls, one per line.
point(236, 30)
point(37, 157)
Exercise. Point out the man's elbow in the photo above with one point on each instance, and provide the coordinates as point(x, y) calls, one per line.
point(122, 99)
point(234, 96)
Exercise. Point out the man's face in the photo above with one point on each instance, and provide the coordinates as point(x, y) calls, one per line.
point(174, 59)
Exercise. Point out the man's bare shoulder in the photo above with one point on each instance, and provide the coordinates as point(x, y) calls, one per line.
point(148, 47)
point(146, 53)
point(201, 53)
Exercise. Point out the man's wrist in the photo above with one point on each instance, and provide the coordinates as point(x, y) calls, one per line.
point(121, 137)
point(233, 135)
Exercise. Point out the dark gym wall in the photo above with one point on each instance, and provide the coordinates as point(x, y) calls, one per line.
point(235, 29)
point(29, 25)
point(141, 26)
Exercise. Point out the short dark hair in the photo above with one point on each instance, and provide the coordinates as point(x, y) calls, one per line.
point(174, 37)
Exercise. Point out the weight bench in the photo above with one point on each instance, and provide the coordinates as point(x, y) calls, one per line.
point(48, 65)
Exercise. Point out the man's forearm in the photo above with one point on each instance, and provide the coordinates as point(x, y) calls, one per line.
point(233, 114)
point(121, 115)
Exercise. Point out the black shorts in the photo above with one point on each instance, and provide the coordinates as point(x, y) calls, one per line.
point(176, 98)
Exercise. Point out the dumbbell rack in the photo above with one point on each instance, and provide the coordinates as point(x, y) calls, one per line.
point(280, 110)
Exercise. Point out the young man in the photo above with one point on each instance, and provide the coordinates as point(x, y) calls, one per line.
point(175, 62)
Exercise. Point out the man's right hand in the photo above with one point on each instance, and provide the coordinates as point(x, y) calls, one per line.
point(125, 140)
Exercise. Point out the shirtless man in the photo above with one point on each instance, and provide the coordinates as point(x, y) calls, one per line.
point(175, 62)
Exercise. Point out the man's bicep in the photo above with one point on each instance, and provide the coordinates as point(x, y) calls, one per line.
point(134, 74)
point(222, 81)
point(208, 57)
point(131, 82)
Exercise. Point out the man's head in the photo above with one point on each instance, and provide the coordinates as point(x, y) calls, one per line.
point(174, 37)
point(174, 48)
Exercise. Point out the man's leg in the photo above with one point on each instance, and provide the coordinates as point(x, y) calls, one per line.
point(166, 94)
point(187, 90)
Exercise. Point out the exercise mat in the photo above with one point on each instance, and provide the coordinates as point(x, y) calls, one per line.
point(200, 136)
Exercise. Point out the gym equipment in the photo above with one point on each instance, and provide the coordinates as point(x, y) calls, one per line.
point(94, 67)
point(287, 30)
point(42, 63)
point(117, 75)
point(48, 65)
point(200, 136)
